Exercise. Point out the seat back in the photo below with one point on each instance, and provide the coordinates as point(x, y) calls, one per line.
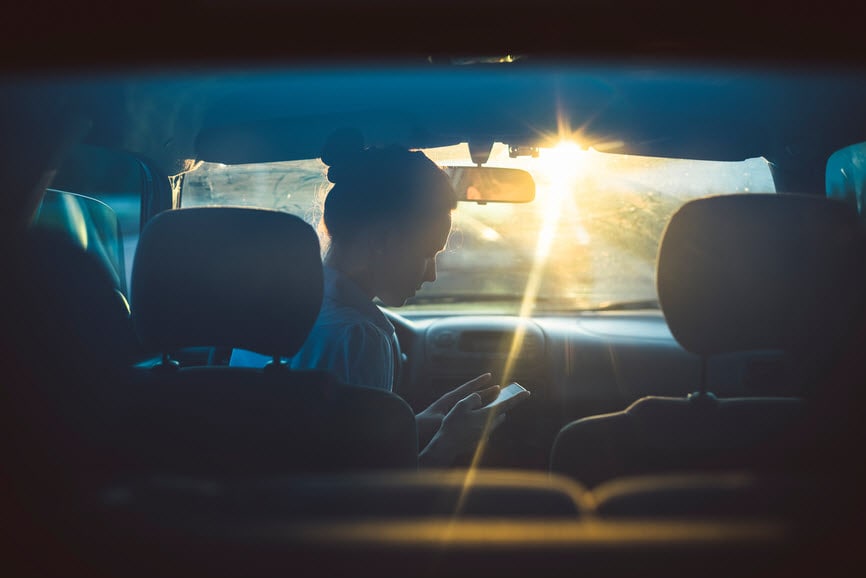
point(735, 273)
point(669, 434)
point(236, 277)
point(69, 306)
point(731, 494)
point(349, 496)
point(68, 341)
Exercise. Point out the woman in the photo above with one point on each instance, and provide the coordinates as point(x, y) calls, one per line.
point(387, 216)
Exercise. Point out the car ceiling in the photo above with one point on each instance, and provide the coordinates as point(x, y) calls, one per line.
point(286, 113)
point(713, 114)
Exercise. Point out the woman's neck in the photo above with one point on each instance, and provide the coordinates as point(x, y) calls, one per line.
point(352, 265)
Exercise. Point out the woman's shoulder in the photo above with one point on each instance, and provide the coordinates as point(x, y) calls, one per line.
point(337, 316)
point(346, 327)
point(352, 347)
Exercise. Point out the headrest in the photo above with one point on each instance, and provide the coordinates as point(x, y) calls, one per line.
point(226, 277)
point(759, 271)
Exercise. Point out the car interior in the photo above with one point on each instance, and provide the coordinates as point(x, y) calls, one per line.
point(666, 249)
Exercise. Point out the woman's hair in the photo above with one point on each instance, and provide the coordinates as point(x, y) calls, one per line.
point(374, 186)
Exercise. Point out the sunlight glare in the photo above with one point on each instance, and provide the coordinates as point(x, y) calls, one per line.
point(563, 162)
point(562, 165)
point(582, 235)
point(489, 234)
point(76, 220)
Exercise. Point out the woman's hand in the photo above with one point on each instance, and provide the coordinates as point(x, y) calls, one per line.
point(468, 422)
point(429, 420)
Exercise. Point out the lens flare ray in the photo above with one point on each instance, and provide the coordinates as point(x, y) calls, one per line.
point(563, 164)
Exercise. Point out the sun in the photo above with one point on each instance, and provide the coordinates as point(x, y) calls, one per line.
point(560, 166)
point(563, 162)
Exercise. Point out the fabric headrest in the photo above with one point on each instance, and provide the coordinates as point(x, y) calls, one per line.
point(226, 277)
point(760, 271)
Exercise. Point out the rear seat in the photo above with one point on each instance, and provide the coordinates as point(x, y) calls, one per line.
point(463, 494)
point(720, 495)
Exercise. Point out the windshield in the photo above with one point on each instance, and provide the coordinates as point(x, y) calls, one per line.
point(588, 241)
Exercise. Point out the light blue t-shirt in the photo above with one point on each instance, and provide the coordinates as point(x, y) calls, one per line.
point(351, 337)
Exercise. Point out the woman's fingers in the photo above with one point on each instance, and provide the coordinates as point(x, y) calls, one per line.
point(447, 401)
point(471, 402)
point(472, 385)
point(488, 394)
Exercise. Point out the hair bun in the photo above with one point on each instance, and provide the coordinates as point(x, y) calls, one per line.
point(342, 151)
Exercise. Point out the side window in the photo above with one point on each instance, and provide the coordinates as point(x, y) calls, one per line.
point(90, 223)
point(846, 176)
point(115, 178)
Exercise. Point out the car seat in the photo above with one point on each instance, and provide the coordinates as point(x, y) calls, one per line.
point(735, 273)
point(68, 341)
point(239, 277)
point(454, 493)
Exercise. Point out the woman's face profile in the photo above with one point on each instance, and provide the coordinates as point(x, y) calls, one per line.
point(408, 260)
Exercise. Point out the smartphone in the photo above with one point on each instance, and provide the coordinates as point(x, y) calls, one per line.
point(507, 393)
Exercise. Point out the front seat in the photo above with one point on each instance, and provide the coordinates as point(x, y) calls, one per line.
point(735, 273)
point(251, 278)
point(69, 342)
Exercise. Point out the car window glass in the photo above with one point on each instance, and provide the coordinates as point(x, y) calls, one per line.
point(90, 223)
point(846, 175)
point(588, 240)
point(113, 177)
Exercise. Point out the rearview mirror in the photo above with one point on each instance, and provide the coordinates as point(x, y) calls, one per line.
point(492, 184)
